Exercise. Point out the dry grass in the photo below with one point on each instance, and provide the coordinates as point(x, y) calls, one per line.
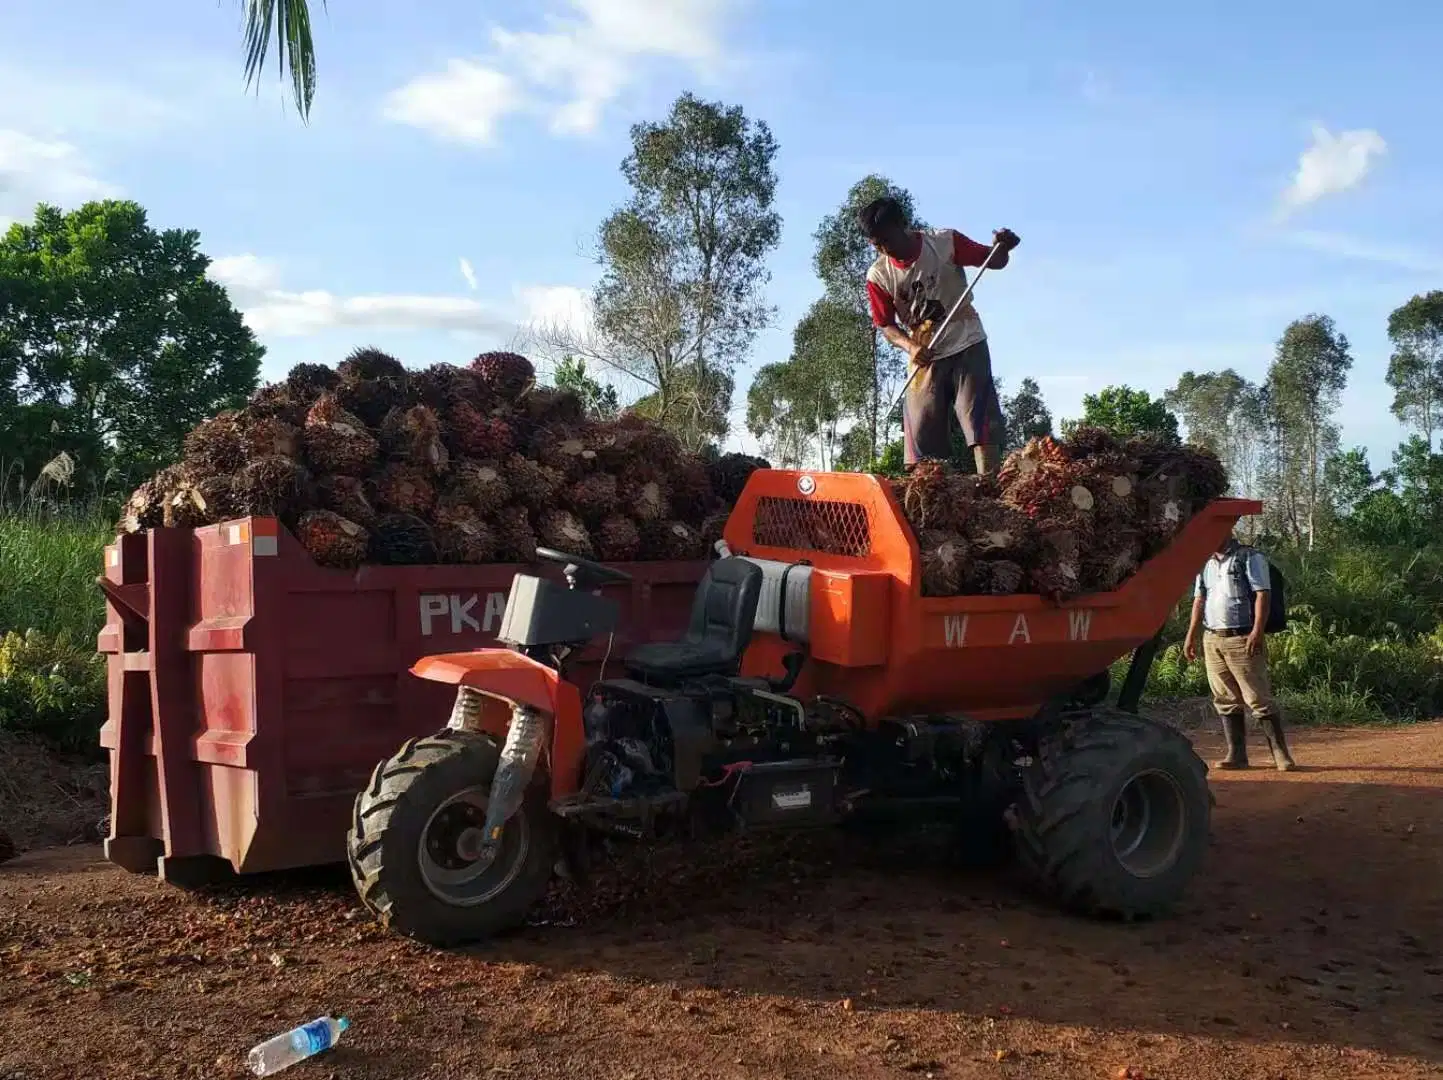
point(48, 799)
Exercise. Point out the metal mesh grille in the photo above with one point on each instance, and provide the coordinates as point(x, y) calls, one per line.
point(838, 528)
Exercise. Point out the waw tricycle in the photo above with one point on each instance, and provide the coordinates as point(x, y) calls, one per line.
point(815, 685)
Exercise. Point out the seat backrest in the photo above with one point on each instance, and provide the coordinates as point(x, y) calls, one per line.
point(726, 606)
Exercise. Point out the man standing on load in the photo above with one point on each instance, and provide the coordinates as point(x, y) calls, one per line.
point(1230, 603)
point(912, 286)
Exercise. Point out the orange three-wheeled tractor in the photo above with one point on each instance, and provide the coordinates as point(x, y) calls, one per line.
point(815, 685)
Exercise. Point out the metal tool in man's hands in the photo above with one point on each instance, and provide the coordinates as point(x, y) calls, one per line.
point(937, 334)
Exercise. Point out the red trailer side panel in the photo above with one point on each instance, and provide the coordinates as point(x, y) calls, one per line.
point(252, 691)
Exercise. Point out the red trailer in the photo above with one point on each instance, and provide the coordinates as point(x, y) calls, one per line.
point(252, 691)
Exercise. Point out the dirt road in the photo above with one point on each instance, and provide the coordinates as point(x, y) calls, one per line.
point(1312, 948)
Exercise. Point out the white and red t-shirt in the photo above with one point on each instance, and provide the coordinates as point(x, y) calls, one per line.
point(910, 293)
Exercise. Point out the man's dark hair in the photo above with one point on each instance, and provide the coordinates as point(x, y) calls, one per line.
point(881, 216)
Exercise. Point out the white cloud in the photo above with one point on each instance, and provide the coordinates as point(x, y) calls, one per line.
point(1351, 247)
point(1333, 164)
point(555, 306)
point(255, 285)
point(76, 103)
point(43, 170)
point(463, 104)
point(569, 72)
point(245, 273)
point(468, 272)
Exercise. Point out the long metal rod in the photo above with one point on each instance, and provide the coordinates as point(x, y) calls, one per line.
point(966, 293)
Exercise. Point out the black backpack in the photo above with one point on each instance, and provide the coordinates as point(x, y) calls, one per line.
point(1278, 587)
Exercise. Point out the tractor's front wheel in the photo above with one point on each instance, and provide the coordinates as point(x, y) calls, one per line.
point(415, 848)
point(1114, 814)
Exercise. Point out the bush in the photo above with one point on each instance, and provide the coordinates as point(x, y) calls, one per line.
point(52, 689)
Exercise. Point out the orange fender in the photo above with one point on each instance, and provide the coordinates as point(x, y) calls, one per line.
point(508, 676)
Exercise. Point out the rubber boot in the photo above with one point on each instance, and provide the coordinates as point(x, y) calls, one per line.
point(1273, 728)
point(987, 457)
point(1236, 732)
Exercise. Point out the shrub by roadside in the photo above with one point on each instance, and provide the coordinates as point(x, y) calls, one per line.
point(52, 689)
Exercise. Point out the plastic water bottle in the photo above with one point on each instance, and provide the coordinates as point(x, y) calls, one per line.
point(273, 1055)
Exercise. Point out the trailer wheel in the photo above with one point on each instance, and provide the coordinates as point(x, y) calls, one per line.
point(413, 828)
point(1114, 814)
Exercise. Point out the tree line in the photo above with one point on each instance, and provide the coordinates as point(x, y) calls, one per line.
point(114, 343)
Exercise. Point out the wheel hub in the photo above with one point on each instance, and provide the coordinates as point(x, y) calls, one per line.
point(1149, 824)
point(457, 863)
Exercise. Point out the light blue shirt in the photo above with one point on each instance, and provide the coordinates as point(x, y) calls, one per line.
point(1227, 605)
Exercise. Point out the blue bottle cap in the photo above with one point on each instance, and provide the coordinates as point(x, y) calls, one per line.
point(343, 1023)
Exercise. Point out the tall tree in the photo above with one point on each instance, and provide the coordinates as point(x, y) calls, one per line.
point(1348, 480)
point(1125, 411)
point(1306, 378)
point(1026, 414)
point(683, 261)
point(1415, 370)
point(113, 342)
point(841, 260)
point(1223, 411)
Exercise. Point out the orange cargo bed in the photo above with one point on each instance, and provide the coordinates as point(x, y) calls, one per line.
point(879, 644)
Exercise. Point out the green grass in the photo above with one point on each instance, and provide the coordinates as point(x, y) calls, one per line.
point(48, 565)
point(52, 682)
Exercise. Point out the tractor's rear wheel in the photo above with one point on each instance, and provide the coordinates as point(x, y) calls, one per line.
point(415, 839)
point(1114, 814)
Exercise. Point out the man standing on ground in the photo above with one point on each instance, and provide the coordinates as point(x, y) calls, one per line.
point(916, 279)
point(1231, 602)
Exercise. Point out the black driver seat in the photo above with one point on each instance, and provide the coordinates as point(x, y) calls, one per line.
point(721, 627)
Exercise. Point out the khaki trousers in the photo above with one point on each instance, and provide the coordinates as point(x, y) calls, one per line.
point(1237, 679)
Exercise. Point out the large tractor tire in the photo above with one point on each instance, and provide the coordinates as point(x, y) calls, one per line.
point(415, 825)
point(1114, 814)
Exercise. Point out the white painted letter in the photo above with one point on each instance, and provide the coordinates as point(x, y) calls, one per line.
point(431, 606)
point(495, 608)
point(1019, 630)
point(461, 613)
point(955, 627)
point(1079, 623)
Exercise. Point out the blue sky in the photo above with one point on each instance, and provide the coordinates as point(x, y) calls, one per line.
point(1185, 180)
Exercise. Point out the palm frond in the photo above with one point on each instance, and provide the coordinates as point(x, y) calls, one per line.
point(295, 50)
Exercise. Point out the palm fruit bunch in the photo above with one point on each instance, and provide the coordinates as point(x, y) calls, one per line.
point(944, 560)
point(368, 461)
point(215, 445)
point(371, 384)
point(473, 433)
point(674, 541)
point(533, 485)
point(507, 375)
point(565, 449)
point(461, 534)
point(337, 442)
point(515, 537)
point(618, 539)
point(404, 488)
point(273, 486)
point(1061, 517)
point(307, 382)
point(198, 498)
point(730, 472)
point(403, 540)
point(594, 497)
point(277, 401)
point(414, 435)
point(333, 540)
point(481, 485)
point(347, 496)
